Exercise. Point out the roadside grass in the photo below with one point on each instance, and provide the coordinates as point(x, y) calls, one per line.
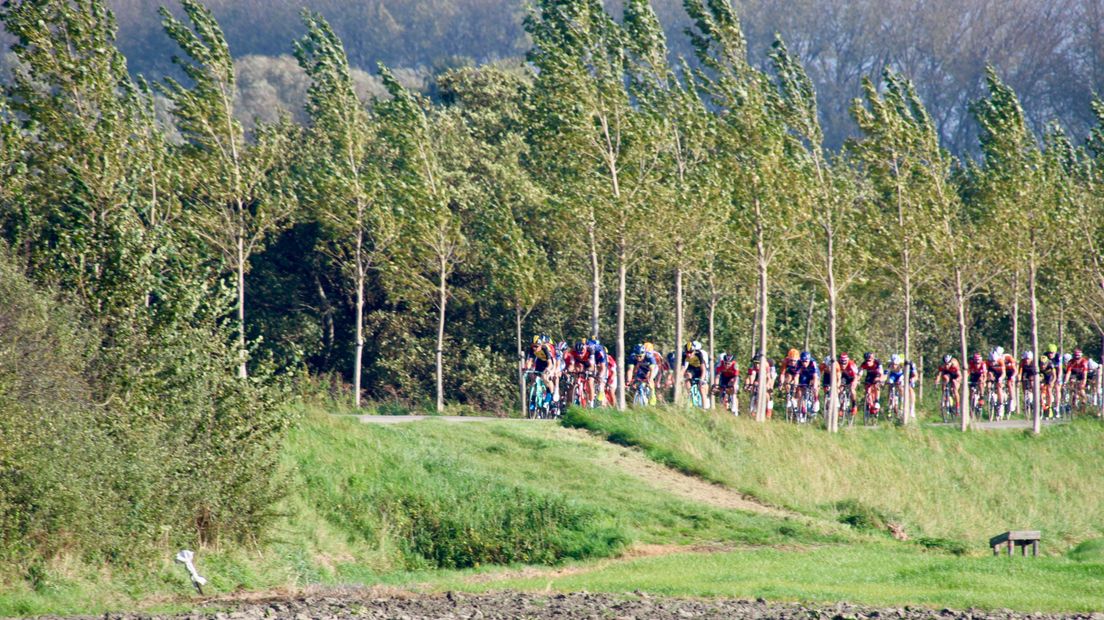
point(935, 481)
point(888, 575)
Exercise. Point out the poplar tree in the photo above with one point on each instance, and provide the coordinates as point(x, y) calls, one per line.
point(752, 144)
point(430, 148)
point(892, 152)
point(239, 197)
point(345, 168)
point(1020, 187)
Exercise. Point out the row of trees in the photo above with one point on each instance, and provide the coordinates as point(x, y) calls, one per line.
point(605, 189)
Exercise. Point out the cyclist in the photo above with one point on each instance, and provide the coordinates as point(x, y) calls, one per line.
point(977, 374)
point(996, 375)
point(849, 374)
point(603, 364)
point(950, 372)
point(543, 358)
point(895, 375)
point(874, 376)
point(644, 366)
point(1092, 379)
point(1048, 371)
point(664, 370)
point(726, 375)
point(1011, 370)
point(695, 365)
point(789, 371)
point(807, 373)
point(753, 378)
point(1027, 374)
point(1078, 368)
point(826, 368)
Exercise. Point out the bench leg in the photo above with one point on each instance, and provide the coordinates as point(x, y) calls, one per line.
point(996, 550)
point(1011, 546)
point(1035, 548)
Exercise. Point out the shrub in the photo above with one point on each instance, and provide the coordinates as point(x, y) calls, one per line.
point(1089, 551)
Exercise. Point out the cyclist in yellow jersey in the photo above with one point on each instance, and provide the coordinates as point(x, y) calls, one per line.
point(695, 365)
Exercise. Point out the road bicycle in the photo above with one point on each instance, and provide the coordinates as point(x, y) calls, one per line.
point(730, 397)
point(948, 406)
point(579, 390)
point(977, 402)
point(1028, 389)
point(642, 393)
point(994, 401)
point(805, 397)
point(847, 405)
point(696, 397)
point(539, 406)
point(793, 407)
point(893, 401)
point(870, 406)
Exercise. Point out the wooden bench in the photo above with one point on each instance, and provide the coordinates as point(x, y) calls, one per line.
point(1021, 539)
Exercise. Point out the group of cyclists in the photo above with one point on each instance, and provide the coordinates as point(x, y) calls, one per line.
point(993, 382)
point(805, 384)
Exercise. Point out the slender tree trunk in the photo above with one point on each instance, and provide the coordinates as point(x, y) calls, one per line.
point(833, 394)
point(1016, 331)
point(1100, 374)
point(678, 326)
point(622, 272)
point(520, 359)
point(1037, 418)
point(963, 384)
point(328, 329)
point(595, 282)
point(442, 301)
point(243, 371)
point(764, 376)
point(358, 357)
point(908, 411)
point(809, 321)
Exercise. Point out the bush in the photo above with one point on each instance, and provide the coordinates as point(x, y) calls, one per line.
point(860, 516)
point(1089, 551)
point(954, 547)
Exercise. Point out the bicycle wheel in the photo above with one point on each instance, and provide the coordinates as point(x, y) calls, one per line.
point(536, 399)
point(640, 395)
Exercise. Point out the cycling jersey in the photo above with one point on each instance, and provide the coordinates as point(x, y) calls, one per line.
point(807, 374)
point(599, 353)
point(894, 375)
point(792, 366)
point(753, 370)
point(1078, 367)
point(1009, 367)
point(873, 370)
point(996, 369)
point(576, 359)
point(849, 372)
point(951, 371)
point(975, 369)
point(1047, 367)
point(826, 375)
point(694, 359)
point(727, 370)
point(1027, 369)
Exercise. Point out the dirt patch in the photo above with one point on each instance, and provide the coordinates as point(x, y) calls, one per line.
point(374, 604)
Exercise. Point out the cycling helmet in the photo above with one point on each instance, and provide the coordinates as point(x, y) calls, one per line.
point(946, 359)
point(561, 346)
point(649, 347)
point(722, 358)
point(792, 354)
point(844, 358)
point(593, 342)
point(580, 346)
point(1028, 355)
point(755, 359)
point(1066, 358)
point(896, 358)
point(868, 356)
point(638, 351)
point(541, 339)
point(1052, 348)
point(994, 356)
point(999, 351)
point(1077, 354)
point(806, 357)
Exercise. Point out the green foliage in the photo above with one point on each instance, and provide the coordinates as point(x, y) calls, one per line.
point(1088, 551)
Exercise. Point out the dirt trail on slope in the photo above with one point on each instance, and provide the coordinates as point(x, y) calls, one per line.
point(632, 461)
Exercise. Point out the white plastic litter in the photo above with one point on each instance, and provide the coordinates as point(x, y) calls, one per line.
point(186, 557)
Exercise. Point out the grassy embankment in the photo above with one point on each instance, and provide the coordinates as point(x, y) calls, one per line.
point(445, 505)
point(368, 504)
point(937, 482)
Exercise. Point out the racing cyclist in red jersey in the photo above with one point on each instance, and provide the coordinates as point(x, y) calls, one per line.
point(1078, 369)
point(726, 377)
point(849, 374)
point(996, 375)
point(873, 380)
point(950, 372)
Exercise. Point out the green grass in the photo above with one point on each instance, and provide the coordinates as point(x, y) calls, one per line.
point(434, 503)
point(880, 575)
point(937, 482)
